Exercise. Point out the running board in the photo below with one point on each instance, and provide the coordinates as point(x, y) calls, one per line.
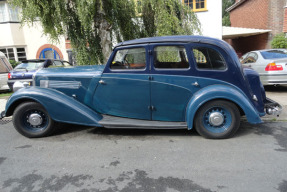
point(127, 123)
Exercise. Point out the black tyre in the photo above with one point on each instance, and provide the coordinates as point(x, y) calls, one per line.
point(32, 120)
point(217, 119)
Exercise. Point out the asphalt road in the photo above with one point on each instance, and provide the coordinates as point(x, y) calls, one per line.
point(87, 159)
point(103, 160)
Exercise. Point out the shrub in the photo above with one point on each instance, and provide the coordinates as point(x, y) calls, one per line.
point(14, 63)
point(279, 41)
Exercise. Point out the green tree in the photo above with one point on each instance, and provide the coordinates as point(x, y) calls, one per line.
point(225, 14)
point(92, 25)
point(279, 41)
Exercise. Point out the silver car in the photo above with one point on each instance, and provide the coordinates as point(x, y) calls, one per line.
point(5, 67)
point(271, 64)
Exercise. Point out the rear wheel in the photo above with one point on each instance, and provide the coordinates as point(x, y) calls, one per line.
point(217, 119)
point(32, 120)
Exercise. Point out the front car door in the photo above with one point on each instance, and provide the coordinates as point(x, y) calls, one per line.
point(124, 88)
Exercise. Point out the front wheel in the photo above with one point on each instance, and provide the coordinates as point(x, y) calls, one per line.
point(32, 120)
point(217, 119)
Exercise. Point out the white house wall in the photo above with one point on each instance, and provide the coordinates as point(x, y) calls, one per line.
point(211, 20)
point(11, 35)
point(35, 38)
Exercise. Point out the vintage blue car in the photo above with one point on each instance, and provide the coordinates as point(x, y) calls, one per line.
point(172, 82)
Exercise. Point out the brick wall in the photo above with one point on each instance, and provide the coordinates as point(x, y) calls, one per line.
point(276, 16)
point(285, 20)
point(251, 14)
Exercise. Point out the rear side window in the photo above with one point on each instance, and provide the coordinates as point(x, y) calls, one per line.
point(208, 59)
point(251, 58)
point(170, 57)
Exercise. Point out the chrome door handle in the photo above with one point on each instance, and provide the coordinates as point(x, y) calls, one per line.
point(102, 82)
point(195, 84)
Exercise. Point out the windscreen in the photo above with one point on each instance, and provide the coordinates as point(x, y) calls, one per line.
point(29, 66)
point(274, 54)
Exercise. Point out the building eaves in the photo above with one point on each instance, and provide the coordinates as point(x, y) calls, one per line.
point(237, 32)
point(235, 5)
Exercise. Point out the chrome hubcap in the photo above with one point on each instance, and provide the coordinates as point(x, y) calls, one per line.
point(35, 119)
point(216, 119)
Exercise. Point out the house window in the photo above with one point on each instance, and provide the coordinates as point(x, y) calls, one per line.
point(21, 53)
point(13, 53)
point(196, 5)
point(8, 13)
point(49, 53)
point(139, 7)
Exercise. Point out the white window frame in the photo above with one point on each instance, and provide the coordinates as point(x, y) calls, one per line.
point(16, 58)
point(7, 13)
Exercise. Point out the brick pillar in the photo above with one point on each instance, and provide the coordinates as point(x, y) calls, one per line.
point(285, 20)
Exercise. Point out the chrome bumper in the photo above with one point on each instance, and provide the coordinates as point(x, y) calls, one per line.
point(272, 107)
point(2, 115)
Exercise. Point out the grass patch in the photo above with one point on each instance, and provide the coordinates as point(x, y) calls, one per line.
point(2, 95)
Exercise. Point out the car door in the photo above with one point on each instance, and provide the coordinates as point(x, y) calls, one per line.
point(124, 88)
point(173, 82)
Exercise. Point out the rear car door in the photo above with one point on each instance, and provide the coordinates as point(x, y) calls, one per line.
point(173, 81)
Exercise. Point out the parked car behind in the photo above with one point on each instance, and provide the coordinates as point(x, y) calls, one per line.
point(25, 70)
point(5, 68)
point(271, 64)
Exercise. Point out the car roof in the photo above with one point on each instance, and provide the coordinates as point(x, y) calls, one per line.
point(261, 50)
point(169, 39)
point(2, 54)
point(40, 60)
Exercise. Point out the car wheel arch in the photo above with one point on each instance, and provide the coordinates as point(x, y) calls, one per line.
point(219, 92)
point(242, 113)
point(18, 102)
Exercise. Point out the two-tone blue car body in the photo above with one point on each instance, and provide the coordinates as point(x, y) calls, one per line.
point(160, 82)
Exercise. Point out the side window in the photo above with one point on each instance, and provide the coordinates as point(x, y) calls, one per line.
point(208, 59)
point(58, 64)
point(129, 59)
point(251, 58)
point(243, 58)
point(66, 64)
point(170, 57)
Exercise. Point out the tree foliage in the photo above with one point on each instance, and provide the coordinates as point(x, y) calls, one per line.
point(225, 14)
point(279, 41)
point(92, 25)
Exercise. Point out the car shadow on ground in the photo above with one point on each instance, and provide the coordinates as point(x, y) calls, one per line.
point(69, 129)
point(279, 88)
